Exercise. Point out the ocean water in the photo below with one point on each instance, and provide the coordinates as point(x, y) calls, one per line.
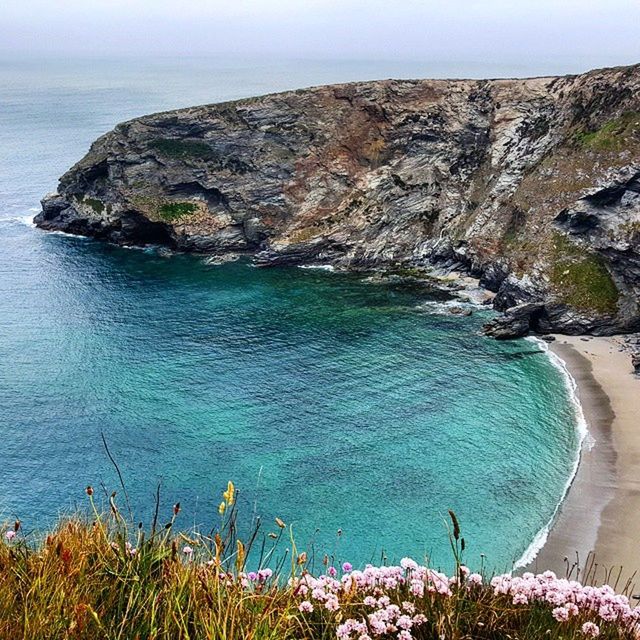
point(358, 411)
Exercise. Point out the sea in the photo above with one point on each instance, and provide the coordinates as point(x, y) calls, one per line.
point(358, 410)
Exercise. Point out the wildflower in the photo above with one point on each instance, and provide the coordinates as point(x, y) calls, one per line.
point(187, 550)
point(252, 575)
point(520, 598)
point(590, 629)
point(404, 635)
point(405, 622)
point(305, 606)
point(89, 490)
point(408, 564)
point(560, 614)
point(229, 494)
point(280, 523)
point(347, 567)
point(10, 535)
point(332, 571)
point(332, 603)
point(264, 574)
point(417, 588)
point(222, 507)
point(474, 579)
point(176, 508)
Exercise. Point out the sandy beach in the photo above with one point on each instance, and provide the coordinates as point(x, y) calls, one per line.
point(601, 513)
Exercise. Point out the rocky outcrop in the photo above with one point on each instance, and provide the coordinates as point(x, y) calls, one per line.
point(531, 185)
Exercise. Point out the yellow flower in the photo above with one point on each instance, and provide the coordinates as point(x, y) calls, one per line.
point(240, 557)
point(222, 507)
point(229, 494)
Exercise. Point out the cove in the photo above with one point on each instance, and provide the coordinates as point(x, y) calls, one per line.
point(335, 403)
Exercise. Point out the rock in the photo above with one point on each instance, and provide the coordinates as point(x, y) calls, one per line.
point(516, 322)
point(460, 311)
point(548, 338)
point(635, 361)
point(510, 181)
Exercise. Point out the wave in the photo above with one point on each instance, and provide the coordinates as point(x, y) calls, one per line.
point(443, 308)
point(25, 220)
point(540, 538)
point(319, 267)
point(68, 235)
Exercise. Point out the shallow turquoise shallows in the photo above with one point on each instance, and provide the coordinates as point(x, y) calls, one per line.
point(335, 403)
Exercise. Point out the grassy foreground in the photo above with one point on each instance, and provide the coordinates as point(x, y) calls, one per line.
point(94, 577)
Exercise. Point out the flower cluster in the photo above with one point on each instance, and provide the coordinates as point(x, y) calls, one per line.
point(569, 599)
point(371, 588)
point(387, 600)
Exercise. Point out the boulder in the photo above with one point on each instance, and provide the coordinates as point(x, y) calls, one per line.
point(516, 322)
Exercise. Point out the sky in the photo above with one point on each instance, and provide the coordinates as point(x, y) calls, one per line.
point(600, 32)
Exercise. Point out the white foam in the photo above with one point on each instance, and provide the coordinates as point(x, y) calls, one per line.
point(540, 538)
point(319, 267)
point(443, 308)
point(26, 220)
point(68, 235)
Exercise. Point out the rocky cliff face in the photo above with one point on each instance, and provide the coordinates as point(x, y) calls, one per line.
point(532, 185)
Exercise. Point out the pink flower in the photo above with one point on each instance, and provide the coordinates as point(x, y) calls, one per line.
point(405, 622)
point(10, 535)
point(347, 567)
point(560, 614)
point(408, 564)
point(332, 571)
point(474, 579)
point(409, 607)
point(264, 574)
point(187, 550)
point(590, 629)
point(305, 606)
point(520, 598)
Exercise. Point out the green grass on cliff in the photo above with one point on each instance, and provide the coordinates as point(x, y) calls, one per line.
point(581, 278)
point(171, 211)
point(95, 204)
point(174, 148)
point(615, 135)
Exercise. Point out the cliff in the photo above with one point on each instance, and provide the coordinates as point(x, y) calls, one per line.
point(533, 185)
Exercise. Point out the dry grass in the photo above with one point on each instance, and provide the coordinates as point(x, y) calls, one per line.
point(95, 577)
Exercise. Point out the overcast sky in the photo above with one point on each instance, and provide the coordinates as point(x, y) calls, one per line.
point(601, 31)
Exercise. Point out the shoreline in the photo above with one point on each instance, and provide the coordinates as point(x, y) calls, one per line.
point(585, 443)
point(595, 534)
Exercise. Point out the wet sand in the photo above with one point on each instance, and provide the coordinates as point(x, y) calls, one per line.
point(601, 513)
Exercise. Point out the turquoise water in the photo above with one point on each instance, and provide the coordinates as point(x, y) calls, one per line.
point(332, 402)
